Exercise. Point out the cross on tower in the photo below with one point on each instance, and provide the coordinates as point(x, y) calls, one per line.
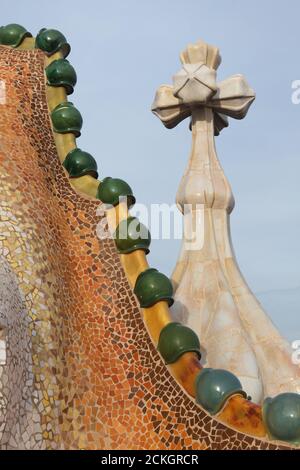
point(195, 86)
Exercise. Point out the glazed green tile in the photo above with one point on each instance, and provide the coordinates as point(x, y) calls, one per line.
point(152, 286)
point(13, 35)
point(131, 235)
point(281, 416)
point(214, 387)
point(61, 73)
point(112, 189)
point(66, 118)
point(79, 163)
point(51, 41)
point(175, 340)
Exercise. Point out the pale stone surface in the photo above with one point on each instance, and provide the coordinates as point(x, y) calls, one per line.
point(211, 295)
point(194, 83)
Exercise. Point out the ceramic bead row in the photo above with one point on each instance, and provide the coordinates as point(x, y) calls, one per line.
point(213, 387)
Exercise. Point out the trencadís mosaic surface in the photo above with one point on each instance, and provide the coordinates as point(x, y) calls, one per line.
point(78, 368)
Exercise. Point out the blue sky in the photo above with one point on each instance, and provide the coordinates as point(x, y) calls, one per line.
point(123, 50)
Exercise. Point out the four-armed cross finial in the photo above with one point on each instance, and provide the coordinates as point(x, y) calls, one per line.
point(195, 86)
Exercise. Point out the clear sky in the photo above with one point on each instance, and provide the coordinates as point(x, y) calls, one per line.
point(124, 49)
